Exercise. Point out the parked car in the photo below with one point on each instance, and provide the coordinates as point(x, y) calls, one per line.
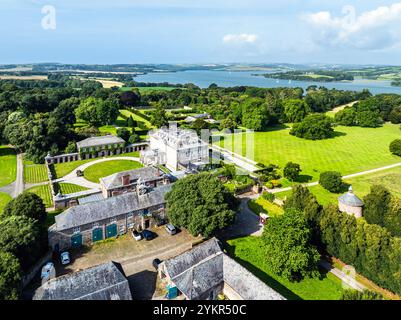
point(65, 258)
point(156, 263)
point(47, 270)
point(148, 235)
point(136, 235)
point(170, 229)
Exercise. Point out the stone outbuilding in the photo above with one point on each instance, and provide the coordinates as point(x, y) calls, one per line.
point(350, 203)
point(103, 282)
point(205, 272)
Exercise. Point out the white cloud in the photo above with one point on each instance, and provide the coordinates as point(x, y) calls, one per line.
point(376, 29)
point(240, 38)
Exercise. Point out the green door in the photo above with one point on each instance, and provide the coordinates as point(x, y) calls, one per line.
point(76, 240)
point(111, 230)
point(97, 234)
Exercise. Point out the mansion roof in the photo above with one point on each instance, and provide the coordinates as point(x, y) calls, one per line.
point(109, 208)
point(99, 141)
point(177, 138)
point(103, 282)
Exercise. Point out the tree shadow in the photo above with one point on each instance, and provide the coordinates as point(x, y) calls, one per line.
point(304, 178)
point(337, 134)
point(344, 188)
point(7, 151)
point(276, 127)
point(263, 276)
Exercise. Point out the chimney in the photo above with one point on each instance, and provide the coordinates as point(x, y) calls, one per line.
point(125, 180)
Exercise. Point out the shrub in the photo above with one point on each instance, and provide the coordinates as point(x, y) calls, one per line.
point(276, 183)
point(269, 185)
point(268, 196)
point(395, 147)
point(291, 171)
point(331, 181)
point(357, 295)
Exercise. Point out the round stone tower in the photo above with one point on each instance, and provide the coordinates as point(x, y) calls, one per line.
point(350, 203)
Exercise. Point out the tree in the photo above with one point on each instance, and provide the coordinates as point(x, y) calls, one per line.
point(123, 133)
point(376, 204)
point(87, 111)
point(395, 147)
point(20, 236)
point(134, 138)
point(395, 115)
point(291, 171)
point(131, 123)
point(107, 112)
point(27, 204)
point(346, 117)
point(71, 147)
point(201, 204)
point(358, 295)
point(368, 118)
point(313, 127)
point(331, 181)
point(159, 117)
point(289, 252)
point(254, 114)
point(10, 276)
point(295, 110)
point(228, 123)
point(130, 98)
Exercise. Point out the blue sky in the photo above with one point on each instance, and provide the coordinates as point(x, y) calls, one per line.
point(204, 31)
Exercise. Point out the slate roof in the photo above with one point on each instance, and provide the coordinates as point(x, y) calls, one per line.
point(97, 141)
point(205, 266)
point(110, 207)
point(350, 199)
point(146, 174)
point(103, 282)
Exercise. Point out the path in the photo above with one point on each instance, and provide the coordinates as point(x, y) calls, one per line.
point(353, 175)
point(17, 187)
point(345, 278)
point(240, 161)
point(81, 181)
point(246, 221)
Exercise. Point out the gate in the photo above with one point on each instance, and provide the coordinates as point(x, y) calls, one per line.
point(111, 230)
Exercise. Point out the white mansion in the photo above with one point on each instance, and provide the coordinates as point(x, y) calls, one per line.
point(175, 148)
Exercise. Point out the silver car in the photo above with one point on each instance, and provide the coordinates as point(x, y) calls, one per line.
point(170, 229)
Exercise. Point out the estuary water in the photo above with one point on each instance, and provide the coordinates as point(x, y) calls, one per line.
point(203, 78)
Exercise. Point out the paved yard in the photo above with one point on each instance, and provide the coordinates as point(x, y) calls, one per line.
point(135, 257)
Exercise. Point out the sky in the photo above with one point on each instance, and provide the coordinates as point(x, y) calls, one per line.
point(203, 31)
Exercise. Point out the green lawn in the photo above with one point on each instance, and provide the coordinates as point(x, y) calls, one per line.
point(127, 114)
point(65, 168)
point(67, 188)
point(104, 169)
point(389, 178)
point(261, 205)
point(4, 199)
point(8, 165)
point(248, 251)
point(43, 192)
point(354, 149)
point(34, 173)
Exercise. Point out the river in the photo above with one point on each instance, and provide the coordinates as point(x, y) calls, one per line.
point(203, 78)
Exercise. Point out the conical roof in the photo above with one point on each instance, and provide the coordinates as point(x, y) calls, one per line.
point(350, 199)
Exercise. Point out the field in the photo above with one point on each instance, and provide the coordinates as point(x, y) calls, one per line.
point(44, 192)
point(106, 83)
point(8, 165)
point(67, 188)
point(248, 251)
point(389, 178)
point(6, 77)
point(4, 199)
point(104, 169)
point(352, 150)
point(34, 173)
